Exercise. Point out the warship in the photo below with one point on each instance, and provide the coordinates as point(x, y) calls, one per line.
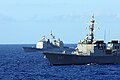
point(88, 51)
point(50, 44)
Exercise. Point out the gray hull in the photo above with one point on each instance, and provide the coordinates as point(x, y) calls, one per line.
point(31, 49)
point(71, 59)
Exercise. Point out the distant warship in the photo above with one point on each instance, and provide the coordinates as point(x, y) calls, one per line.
point(49, 45)
point(88, 51)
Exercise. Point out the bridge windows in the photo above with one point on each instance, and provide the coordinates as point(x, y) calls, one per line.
point(116, 47)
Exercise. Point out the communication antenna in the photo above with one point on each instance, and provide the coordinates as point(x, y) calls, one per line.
point(96, 29)
point(52, 36)
point(109, 34)
point(44, 38)
point(105, 35)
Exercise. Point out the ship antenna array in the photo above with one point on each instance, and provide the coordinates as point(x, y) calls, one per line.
point(52, 36)
point(105, 35)
point(91, 28)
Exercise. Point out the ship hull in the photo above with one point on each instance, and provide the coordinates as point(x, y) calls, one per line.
point(31, 49)
point(71, 59)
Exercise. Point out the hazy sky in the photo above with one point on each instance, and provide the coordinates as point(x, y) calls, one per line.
point(26, 21)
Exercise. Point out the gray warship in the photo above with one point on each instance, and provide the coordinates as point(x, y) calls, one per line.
point(50, 44)
point(88, 51)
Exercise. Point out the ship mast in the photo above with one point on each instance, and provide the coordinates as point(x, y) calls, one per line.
point(52, 36)
point(90, 37)
point(91, 29)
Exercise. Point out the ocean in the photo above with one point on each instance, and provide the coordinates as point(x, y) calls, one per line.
point(15, 64)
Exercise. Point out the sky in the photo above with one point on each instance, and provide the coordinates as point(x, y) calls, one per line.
point(27, 21)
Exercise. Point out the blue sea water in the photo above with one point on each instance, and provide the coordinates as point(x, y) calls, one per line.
point(17, 65)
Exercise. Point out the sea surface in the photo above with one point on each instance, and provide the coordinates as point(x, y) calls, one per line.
point(15, 64)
